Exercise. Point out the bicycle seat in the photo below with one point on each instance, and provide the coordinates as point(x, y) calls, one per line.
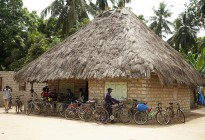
point(91, 101)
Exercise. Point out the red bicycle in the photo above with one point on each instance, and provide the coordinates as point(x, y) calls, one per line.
point(72, 110)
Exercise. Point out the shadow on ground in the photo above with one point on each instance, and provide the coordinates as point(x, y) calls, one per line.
point(195, 114)
point(190, 116)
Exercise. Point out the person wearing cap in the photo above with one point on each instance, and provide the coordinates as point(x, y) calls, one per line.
point(109, 101)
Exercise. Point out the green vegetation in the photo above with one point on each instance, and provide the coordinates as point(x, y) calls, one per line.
point(24, 35)
point(159, 21)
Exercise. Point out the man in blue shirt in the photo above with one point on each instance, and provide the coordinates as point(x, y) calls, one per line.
point(109, 101)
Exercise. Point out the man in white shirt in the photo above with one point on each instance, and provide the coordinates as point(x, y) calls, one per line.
point(6, 97)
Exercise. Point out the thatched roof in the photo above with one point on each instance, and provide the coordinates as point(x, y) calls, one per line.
point(114, 44)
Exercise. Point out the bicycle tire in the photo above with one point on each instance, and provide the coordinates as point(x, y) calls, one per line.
point(81, 112)
point(29, 108)
point(125, 115)
point(61, 110)
point(20, 106)
point(100, 115)
point(47, 109)
point(36, 109)
point(140, 117)
point(70, 113)
point(162, 117)
point(180, 116)
point(17, 107)
point(88, 115)
point(170, 112)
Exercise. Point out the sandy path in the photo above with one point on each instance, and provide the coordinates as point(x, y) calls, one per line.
point(22, 127)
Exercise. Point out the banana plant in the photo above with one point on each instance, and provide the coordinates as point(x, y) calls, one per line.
point(197, 61)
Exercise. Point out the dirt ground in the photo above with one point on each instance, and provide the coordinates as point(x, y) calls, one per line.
point(22, 127)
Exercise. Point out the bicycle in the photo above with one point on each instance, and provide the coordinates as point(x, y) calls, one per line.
point(178, 114)
point(33, 106)
point(92, 110)
point(46, 107)
point(119, 112)
point(128, 114)
point(18, 104)
point(61, 108)
point(161, 116)
point(72, 110)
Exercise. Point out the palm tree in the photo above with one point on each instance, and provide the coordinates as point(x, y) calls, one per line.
point(202, 6)
point(102, 4)
point(184, 39)
point(121, 3)
point(68, 12)
point(160, 23)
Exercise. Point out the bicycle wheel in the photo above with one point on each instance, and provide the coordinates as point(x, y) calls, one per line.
point(36, 109)
point(29, 108)
point(170, 112)
point(17, 107)
point(140, 117)
point(81, 112)
point(162, 117)
point(100, 114)
point(20, 106)
point(125, 115)
point(180, 116)
point(88, 115)
point(47, 109)
point(70, 113)
point(61, 110)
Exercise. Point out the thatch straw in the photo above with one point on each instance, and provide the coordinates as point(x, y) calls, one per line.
point(114, 44)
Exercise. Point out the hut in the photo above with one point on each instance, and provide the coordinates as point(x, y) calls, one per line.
point(116, 50)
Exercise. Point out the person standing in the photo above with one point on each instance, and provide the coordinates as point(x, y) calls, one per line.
point(7, 97)
point(201, 95)
point(109, 101)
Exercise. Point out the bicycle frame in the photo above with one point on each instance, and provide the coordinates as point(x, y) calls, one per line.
point(19, 104)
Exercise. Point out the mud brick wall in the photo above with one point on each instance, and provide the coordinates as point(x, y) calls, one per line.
point(77, 85)
point(148, 90)
point(7, 79)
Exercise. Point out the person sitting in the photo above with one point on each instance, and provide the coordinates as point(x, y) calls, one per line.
point(69, 96)
point(53, 95)
point(45, 94)
point(82, 95)
point(109, 101)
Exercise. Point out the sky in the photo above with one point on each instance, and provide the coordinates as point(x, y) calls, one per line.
point(143, 7)
point(139, 7)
